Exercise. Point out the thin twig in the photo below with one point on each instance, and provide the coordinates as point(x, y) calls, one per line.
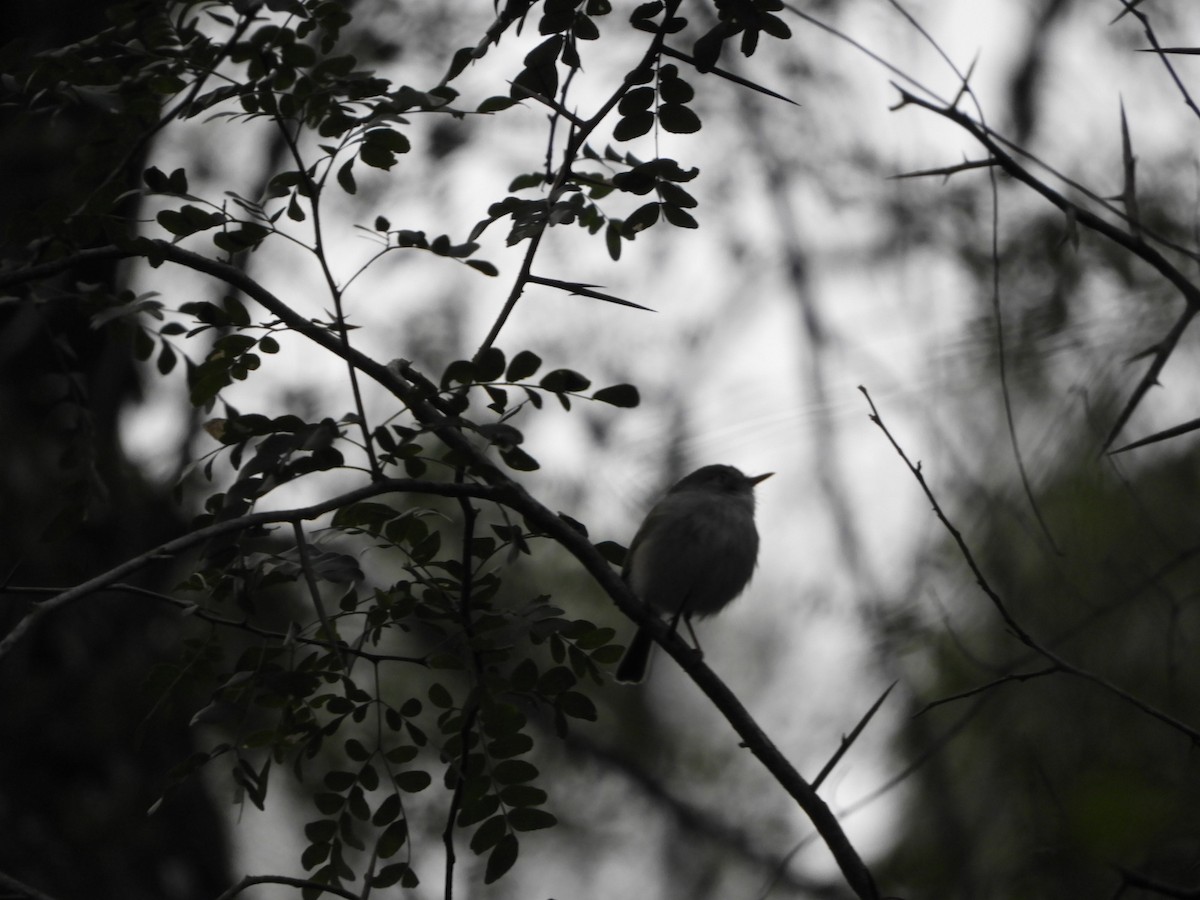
point(1136, 245)
point(1175, 431)
point(314, 592)
point(1133, 879)
point(305, 883)
point(1160, 52)
point(584, 290)
point(1010, 621)
point(984, 688)
point(946, 171)
point(849, 739)
point(471, 712)
point(170, 549)
point(189, 608)
point(14, 888)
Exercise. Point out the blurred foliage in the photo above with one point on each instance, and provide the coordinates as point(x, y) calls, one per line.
point(1047, 783)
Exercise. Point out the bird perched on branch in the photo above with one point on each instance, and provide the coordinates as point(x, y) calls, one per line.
point(693, 554)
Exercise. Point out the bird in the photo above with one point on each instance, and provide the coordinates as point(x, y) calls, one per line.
point(693, 554)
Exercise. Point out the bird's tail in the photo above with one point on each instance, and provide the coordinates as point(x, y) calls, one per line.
point(633, 663)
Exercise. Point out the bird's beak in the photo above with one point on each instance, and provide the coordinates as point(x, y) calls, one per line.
point(755, 479)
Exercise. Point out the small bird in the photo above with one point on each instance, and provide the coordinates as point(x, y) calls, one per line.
point(693, 554)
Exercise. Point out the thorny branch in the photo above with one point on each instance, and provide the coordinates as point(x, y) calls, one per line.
point(1134, 243)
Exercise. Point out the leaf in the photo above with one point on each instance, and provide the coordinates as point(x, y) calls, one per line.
point(413, 781)
point(368, 516)
point(501, 860)
point(524, 364)
point(482, 265)
point(540, 75)
point(612, 240)
point(488, 835)
point(608, 655)
point(339, 781)
point(368, 777)
point(380, 147)
point(514, 771)
point(476, 809)
point(622, 395)
point(459, 62)
point(510, 745)
point(528, 818)
point(673, 195)
point(499, 398)
point(577, 705)
point(678, 119)
point(188, 220)
point(320, 831)
point(707, 49)
point(554, 681)
point(495, 104)
point(389, 139)
point(345, 177)
point(597, 637)
point(393, 838)
point(774, 26)
point(522, 795)
point(679, 218)
point(439, 696)
point(314, 855)
point(523, 678)
point(155, 180)
point(249, 236)
point(633, 126)
point(563, 381)
point(389, 875)
point(636, 100)
point(518, 459)
point(489, 364)
point(388, 810)
point(640, 219)
point(462, 371)
point(528, 180)
point(166, 359)
point(675, 89)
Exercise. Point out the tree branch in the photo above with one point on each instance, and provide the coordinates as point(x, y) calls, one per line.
point(1134, 243)
point(252, 880)
point(289, 516)
point(412, 389)
point(15, 888)
point(1018, 631)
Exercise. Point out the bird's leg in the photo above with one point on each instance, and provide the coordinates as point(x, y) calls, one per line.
point(687, 620)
